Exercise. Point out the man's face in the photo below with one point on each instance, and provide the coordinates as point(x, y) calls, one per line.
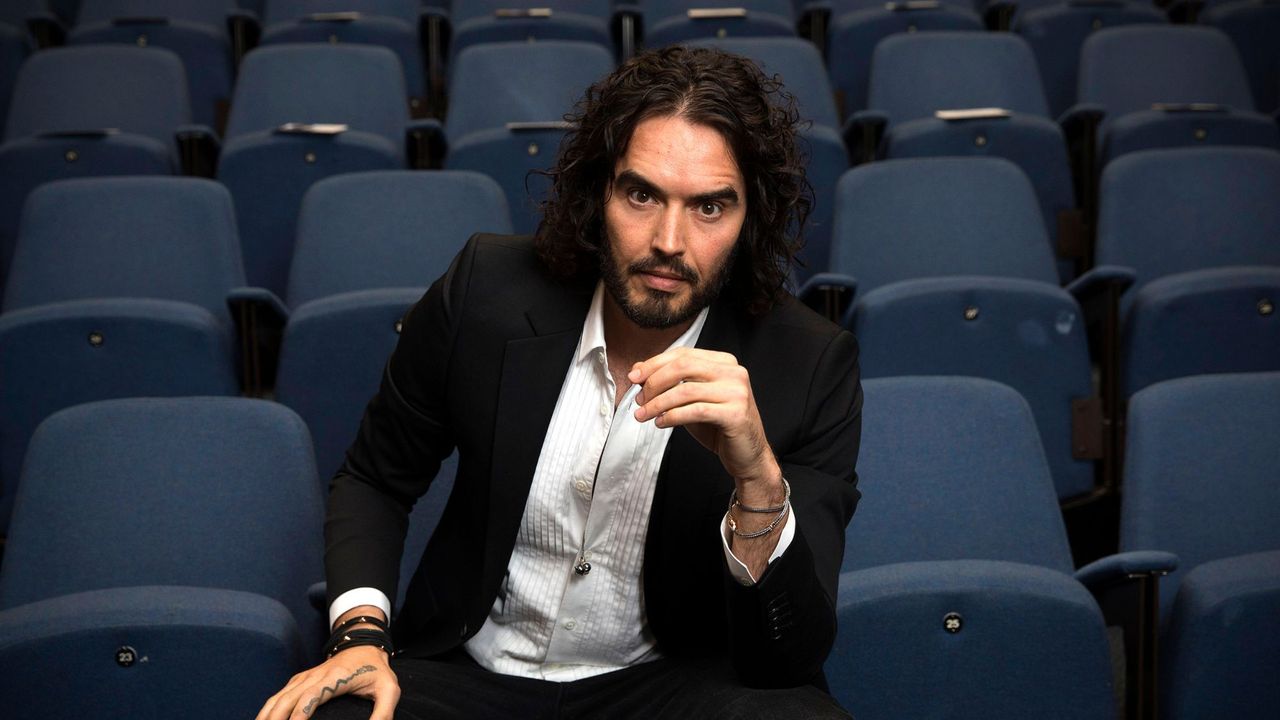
point(672, 221)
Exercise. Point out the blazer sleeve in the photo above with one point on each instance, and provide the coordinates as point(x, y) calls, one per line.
point(783, 627)
point(403, 437)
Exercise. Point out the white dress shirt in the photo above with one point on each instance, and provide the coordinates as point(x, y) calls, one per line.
point(588, 504)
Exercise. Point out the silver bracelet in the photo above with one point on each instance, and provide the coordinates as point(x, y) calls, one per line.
point(733, 524)
point(735, 503)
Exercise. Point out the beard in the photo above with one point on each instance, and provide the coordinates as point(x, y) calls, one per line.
point(654, 309)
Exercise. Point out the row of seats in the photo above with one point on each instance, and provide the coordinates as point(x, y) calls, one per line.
point(157, 540)
point(307, 112)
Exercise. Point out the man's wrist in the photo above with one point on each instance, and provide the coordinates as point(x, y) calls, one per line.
point(765, 490)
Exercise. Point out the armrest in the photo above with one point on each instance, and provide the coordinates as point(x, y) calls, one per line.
point(198, 146)
point(1099, 280)
point(47, 29)
point(426, 144)
point(1081, 114)
point(1184, 11)
point(1126, 566)
point(812, 20)
point(830, 294)
point(862, 133)
point(260, 317)
point(245, 30)
point(434, 35)
point(625, 25)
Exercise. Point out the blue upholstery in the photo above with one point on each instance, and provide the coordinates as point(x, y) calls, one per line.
point(1171, 211)
point(202, 492)
point(853, 36)
point(392, 24)
point(512, 157)
point(1253, 27)
point(797, 64)
point(827, 161)
point(15, 12)
point(196, 30)
point(14, 48)
point(198, 653)
point(1057, 30)
point(1204, 321)
point(360, 231)
point(88, 111)
point(1200, 470)
point(668, 21)
point(1128, 69)
point(478, 21)
point(1221, 655)
point(902, 219)
point(143, 237)
point(268, 172)
point(914, 75)
point(331, 360)
point(952, 468)
point(147, 348)
point(1029, 335)
point(1030, 642)
point(498, 83)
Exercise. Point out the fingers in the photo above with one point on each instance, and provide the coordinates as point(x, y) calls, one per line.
point(668, 370)
point(641, 371)
point(362, 671)
point(385, 700)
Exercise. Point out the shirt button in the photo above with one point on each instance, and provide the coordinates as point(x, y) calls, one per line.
point(604, 409)
point(570, 625)
point(581, 485)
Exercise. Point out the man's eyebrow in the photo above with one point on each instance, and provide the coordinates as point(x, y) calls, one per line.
point(631, 177)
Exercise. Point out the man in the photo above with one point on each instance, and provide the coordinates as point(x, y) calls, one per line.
point(656, 443)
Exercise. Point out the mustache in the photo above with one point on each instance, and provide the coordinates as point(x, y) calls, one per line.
point(666, 265)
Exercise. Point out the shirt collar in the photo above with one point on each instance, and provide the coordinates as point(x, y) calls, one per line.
point(592, 341)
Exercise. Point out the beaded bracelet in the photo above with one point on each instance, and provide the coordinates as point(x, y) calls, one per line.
point(734, 502)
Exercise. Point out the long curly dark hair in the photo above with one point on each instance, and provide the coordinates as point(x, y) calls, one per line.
point(730, 94)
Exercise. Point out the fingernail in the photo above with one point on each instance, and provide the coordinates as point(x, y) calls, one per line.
point(634, 375)
point(640, 398)
point(639, 414)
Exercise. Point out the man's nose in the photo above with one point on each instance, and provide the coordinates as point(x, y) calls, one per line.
point(668, 236)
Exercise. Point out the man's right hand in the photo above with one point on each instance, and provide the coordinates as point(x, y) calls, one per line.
point(362, 671)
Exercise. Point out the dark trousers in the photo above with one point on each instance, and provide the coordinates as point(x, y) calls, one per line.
point(458, 688)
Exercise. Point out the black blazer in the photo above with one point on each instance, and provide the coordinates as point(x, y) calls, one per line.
point(479, 366)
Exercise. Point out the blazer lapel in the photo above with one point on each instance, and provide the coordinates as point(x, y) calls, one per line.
point(530, 385)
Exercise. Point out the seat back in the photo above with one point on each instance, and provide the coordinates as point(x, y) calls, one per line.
point(952, 468)
point(915, 74)
point(928, 217)
point(1170, 211)
point(362, 231)
point(494, 21)
point(1253, 27)
point(287, 11)
point(939, 639)
point(142, 237)
point(513, 156)
point(1200, 471)
point(1028, 335)
point(202, 492)
point(14, 48)
point(673, 21)
point(494, 84)
point(209, 13)
point(796, 63)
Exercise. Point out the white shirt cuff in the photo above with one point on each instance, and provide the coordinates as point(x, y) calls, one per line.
point(356, 597)
point(737, 569)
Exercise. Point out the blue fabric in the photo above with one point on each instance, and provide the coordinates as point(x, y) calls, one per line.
point(1253, 28)
point(389, 229)
point(331, 361)
point(1028, 335)
point(476, 22)
point(827, 161)
point(926, 217)
point(1031, 643)
point(149, 347)
point(797, 64)
point(30, 162)
point(914, 74)
point(853, 36)
point(14, 48)
point(1206, 321)
point(196, 30)
point(1153, 129)
point(201, 653)
point(144, 237)
point(361, 86)
point(393, 33)
point(205, 492)
point(1221, 655)
point(15, 12)
point(512, 158)
point(497, 83)
point(269, 173)
point(1056, 32)
point(132, 89)
point(1169, 211)
point(666, 21)
point(466, 10)
point(284, 11)
point(952, 468)
point(1200, 470)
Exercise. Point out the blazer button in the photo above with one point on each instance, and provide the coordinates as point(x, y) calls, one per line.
point(462, 632)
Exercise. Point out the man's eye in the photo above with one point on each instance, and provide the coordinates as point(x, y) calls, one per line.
point(709, 209)
point(640, 197)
